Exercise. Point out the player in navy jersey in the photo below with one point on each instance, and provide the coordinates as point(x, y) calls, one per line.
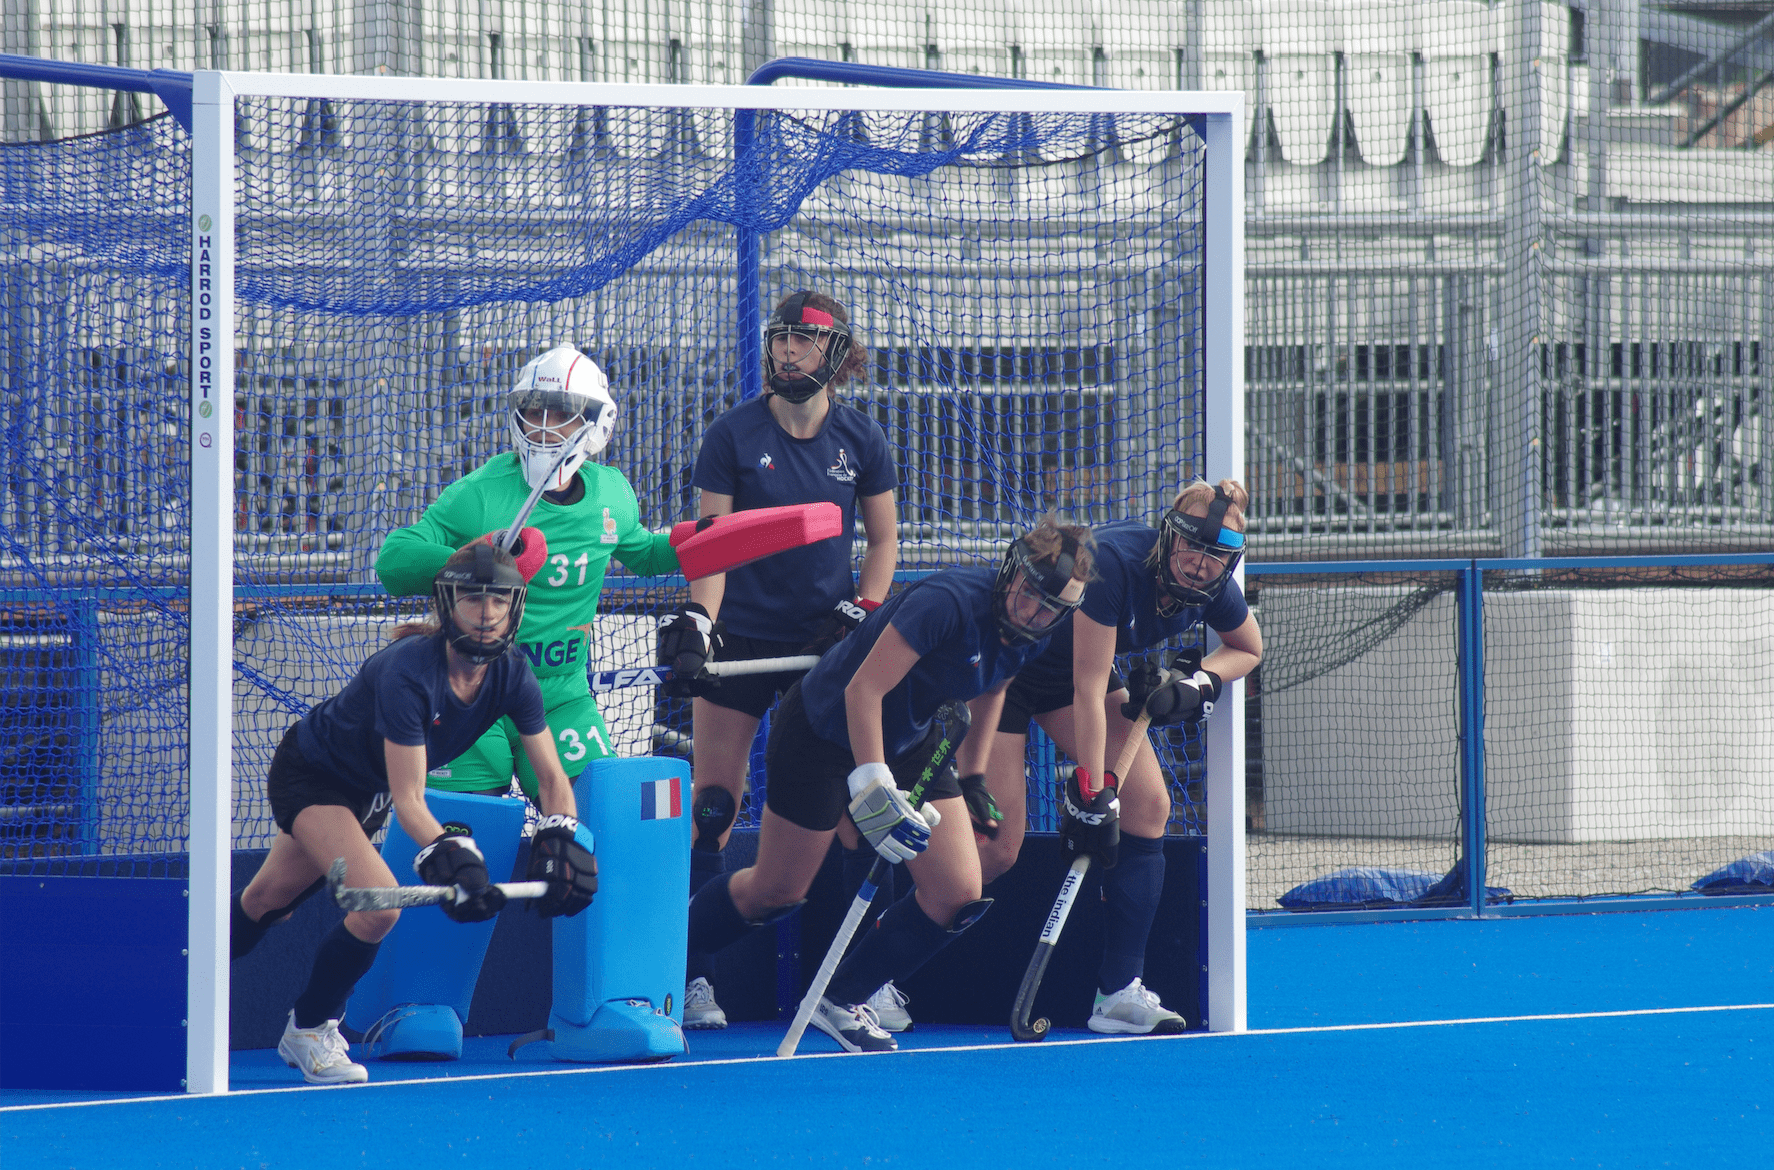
point(796, 444)
point(861, 726)
point(412, 706)
point(1151, 586)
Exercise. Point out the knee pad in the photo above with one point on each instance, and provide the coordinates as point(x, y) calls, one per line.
point(714, 811)
point(969, 914)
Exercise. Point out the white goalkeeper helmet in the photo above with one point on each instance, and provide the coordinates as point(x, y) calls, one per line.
point(567, 399)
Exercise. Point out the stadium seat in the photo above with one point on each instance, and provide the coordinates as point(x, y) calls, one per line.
point(810, 28)
point(1301, 78)
point(898, 36)
point(1141, 44)
point(1058, 47)
point(1377, 77)
point(1555, 36)
point(1231, 34)
point(1454, 38)
point(975, 38)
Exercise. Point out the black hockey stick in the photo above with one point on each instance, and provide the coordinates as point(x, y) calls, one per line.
point(865, 897)
point(351, 898)
point(1020, 1027)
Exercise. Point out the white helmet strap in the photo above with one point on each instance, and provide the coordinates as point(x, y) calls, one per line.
point(561, 414)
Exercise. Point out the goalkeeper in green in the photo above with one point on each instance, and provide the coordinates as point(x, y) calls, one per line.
point(560, 407)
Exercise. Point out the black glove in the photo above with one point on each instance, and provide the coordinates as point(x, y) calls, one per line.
point(981, 808)
point(687, 641)
point(845, 616)
point(455, 860)
point(1185, 699)
point(560, 854)
point(1092, 826)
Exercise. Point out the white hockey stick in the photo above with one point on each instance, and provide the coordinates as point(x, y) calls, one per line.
point(647, 676)
point(859, 905)
point(401, 897)
point(510, 538)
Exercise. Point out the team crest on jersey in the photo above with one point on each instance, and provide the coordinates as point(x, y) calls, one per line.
point(841, 470)
point(609, 536)
point(764, 462)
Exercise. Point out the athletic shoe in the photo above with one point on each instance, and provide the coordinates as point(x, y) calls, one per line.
point(1134, 1011)
point(321, 1053)
point(889, 1008)
point(853, 1026)
point(700, 1008)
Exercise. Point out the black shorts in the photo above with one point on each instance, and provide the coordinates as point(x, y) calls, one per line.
point(806, 777)
point(1029, 697)
point(753, 693)
point(294, 784)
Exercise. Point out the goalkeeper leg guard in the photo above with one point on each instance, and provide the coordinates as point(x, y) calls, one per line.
point(903, 940)
point(1130, 894)
point(342, 960)
point(715, 922)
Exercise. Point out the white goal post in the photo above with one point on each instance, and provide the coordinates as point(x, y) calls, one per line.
point(1221, 122)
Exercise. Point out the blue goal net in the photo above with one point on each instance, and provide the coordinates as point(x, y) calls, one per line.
point(1028, 287)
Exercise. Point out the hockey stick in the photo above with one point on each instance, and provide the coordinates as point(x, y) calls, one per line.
point(1020, 1028)
point(859, 906)
point(507, 541)
point(646, 676)
point(400, 897)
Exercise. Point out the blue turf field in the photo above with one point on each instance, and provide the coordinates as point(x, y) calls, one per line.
point(1389, 1045)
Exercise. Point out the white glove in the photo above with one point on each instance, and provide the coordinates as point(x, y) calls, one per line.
point(884, 816)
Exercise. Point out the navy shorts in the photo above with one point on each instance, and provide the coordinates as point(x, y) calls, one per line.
point(807, 778)
point(294, 784)
point(1028, 697)
point(753, 693)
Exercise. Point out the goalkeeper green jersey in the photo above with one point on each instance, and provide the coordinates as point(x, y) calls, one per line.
point(582, 536)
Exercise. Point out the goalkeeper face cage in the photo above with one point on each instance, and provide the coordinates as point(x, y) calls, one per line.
point(1023, 578)
point(1216, 551)
point(798, 319)
point(567, 399)
point(482, 633)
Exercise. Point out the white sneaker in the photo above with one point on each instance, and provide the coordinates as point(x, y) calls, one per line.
point(700, 1008)
point(321, 1053)
point(888, 1005)
point(853, 1026)
point(1134, 1011)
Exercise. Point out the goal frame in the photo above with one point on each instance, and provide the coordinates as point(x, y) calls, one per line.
point(211, 415)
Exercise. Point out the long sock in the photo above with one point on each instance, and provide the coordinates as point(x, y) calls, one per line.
point(705, 866)
point(342, 960)
point(904, 939)
point(715, 923)
point(244, 932)
point(1130, 892)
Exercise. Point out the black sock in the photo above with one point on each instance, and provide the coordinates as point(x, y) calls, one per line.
point(342, 960)
point(1130, 894)
point(904, 939)
point(244, 932)
point(705, 866)
point(715, 923)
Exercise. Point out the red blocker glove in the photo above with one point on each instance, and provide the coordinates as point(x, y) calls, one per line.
point(530, 552)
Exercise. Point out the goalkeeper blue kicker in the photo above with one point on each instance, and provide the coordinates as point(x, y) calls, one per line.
point(662, 800)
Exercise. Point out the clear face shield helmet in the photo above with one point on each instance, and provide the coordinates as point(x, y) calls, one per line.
point(1206, 544)
point(570, 415)
point(797, 319)
point(480, 605)
point(1029, 597)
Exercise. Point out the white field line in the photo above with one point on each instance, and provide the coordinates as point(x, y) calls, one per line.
point(1047, 1046)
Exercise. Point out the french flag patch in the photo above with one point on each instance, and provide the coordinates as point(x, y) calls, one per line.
point(661, 800)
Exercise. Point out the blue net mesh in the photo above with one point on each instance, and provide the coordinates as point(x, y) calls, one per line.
point(1027, 287)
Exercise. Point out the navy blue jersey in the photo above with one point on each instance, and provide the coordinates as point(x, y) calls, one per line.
point(1124, 595)
point(947, 618)
point(402, 694)
point(747, 455)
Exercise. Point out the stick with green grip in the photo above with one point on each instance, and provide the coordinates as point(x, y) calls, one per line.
point(865, 895)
